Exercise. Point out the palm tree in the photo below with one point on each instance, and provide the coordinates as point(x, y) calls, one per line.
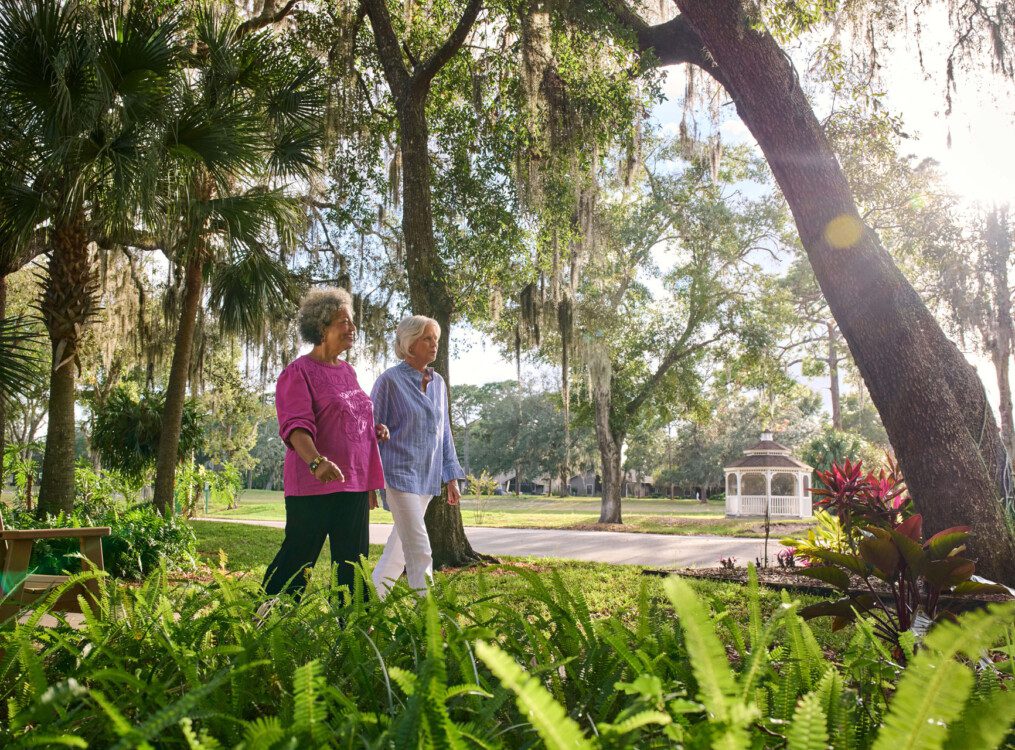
point(80, 85)
point(248, 118)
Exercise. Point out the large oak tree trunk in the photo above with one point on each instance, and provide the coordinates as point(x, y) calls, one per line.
point(609, 455)
point(430, 295)
point(930, 399)
point(68, 305)
point(176, 389)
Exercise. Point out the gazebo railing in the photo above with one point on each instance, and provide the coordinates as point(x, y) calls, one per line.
point(781, 505)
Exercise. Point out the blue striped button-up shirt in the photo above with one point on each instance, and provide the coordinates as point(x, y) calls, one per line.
point(420, 454)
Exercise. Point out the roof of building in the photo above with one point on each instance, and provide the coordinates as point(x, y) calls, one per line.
point(767, 461)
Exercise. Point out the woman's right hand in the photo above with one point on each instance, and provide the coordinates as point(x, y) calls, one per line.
point(328, 471)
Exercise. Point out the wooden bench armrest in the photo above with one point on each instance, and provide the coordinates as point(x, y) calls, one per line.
point(87, 532)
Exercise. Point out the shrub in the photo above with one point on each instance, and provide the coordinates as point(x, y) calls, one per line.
point(482, 485)
point(141, 541)
point(189, 666)
point(902, 575)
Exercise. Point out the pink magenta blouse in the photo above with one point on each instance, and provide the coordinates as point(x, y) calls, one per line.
point(327, 401)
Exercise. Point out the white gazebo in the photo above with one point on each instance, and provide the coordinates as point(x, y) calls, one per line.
point(768, 477)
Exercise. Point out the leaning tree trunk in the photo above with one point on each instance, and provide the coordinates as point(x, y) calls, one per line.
point(176, 390)
point(68, 304)
point(929, 397)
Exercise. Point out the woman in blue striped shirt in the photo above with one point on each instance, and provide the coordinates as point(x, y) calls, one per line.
point(412, 400)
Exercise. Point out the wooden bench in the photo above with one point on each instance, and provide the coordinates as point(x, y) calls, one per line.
point(19, 589)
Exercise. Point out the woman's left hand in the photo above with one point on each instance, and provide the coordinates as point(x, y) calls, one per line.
point(454, 494)
point(372, 495)
point(381, 430)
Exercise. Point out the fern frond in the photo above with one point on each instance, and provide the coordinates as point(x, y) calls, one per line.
point(558, 730)
point(934, 688)
point(639, 720)
point(716, 687)
point(405, 679)
point(262, 733)
point(809, 730)
point(308, 712)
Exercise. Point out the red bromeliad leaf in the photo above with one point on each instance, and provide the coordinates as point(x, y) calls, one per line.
point(912, 550)
point(912, 527)
point(880, 551)
point(947, 542)
point(967, 588)
point(948, 572)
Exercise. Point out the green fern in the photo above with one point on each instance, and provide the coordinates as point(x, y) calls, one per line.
point(309, 713)
point(809, 730)
point(717, 688)
point(934, 688)
point(557, 730)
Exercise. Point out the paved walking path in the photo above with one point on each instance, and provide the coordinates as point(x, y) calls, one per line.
point(627, 548)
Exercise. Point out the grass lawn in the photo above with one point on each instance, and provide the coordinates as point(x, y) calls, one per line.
point(657, 516)
point(608, 589)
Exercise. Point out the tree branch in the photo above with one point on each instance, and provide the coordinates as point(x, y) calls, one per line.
point(388, 48)
point(672, 42)
point(266, 17)
point(424, 73)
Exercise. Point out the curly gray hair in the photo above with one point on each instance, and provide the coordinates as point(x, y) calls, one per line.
point(318, 308)
point(409, 330)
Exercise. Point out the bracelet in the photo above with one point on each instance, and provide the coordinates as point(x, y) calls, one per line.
point(315, 463)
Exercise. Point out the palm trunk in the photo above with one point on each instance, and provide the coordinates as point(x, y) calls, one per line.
point(176, 390)
point(930, 399)
point(3, 404)
point(68, 305)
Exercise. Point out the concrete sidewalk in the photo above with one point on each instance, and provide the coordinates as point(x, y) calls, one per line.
point(626, 548)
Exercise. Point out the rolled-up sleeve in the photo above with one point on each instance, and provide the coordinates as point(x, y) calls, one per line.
point(451, 468)
point(294, 405)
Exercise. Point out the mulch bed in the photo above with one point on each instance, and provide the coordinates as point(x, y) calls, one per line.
point(790, 580)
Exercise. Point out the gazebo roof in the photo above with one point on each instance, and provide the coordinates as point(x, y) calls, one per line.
point(767, 462)
point(767, 454)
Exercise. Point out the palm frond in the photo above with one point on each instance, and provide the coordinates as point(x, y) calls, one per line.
point(21, 363)
point(251, 291)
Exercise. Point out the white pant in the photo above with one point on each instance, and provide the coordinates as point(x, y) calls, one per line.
point(408, 547)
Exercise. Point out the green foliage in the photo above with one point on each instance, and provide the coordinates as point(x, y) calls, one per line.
point(834, 445)
point(20, 363)
point(128, 427)
point(483, 485)
point(141, 541)
point(495, 670)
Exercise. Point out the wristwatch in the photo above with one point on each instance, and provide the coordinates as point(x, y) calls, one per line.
point(315, 463)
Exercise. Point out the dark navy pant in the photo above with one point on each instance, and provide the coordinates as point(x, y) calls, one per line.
point(342, 517)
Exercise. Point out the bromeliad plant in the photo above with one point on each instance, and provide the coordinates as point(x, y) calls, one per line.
point(889, 572)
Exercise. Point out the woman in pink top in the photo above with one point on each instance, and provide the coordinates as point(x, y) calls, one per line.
point(332, 465)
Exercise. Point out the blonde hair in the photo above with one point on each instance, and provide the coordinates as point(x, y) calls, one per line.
point(410, 330)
